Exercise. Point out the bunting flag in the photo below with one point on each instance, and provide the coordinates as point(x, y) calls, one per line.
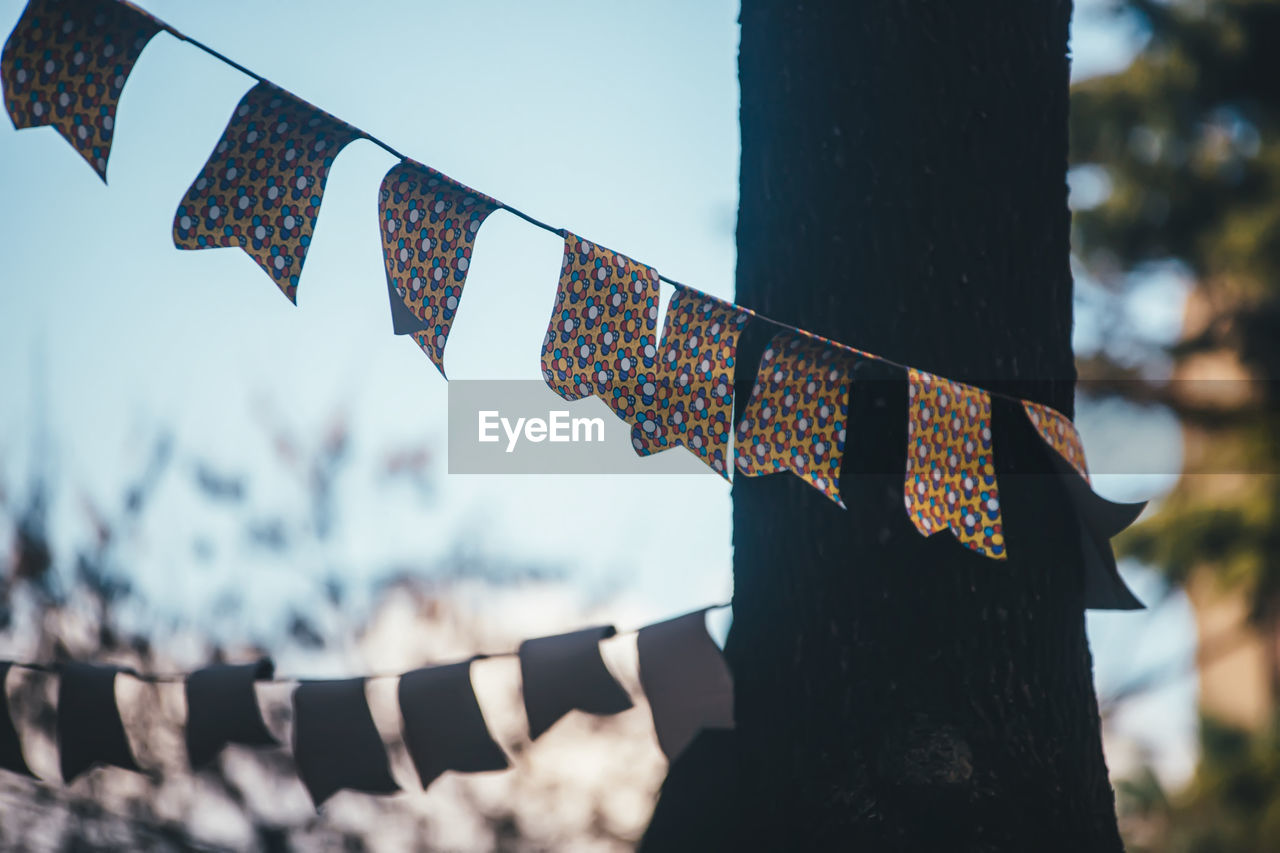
point(222, 708)
point(796, 418)
point(603, 329)
point(65, 65)
point(261, 188)
point(1059, 433)
point(444, 728)
point(1097, 518)
point(11, 757)
point(429, 223)
point(335, 743)
point(686, 680)
point(566, 673)
point(951, 477)
point(688, 398)
point(89, 729)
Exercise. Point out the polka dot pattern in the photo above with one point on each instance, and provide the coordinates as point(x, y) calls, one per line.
point(951, 475)
point(1059, 433)
point(798, 412)
point(687, 399)
point(65, 65)
point(260, 189)
point(603, 331)
point(429, 223)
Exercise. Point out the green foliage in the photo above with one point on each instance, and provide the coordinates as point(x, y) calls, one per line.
point(1232, 805)
point(1189, 137)
point(1187, 141)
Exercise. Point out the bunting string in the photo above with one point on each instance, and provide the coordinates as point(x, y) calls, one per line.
point(66, 63)
point(335, 743)
point(453, 186)
point(269, 675)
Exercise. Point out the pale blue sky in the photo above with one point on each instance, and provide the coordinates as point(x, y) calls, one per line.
point(615, 120)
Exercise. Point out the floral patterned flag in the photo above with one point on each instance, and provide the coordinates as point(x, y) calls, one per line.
point(603, 330)
point(951, 478)
point(687, 399)
point(1059, 433)
point(261, 188)
point(429, 224)
point(798, 412)
point(65, 65)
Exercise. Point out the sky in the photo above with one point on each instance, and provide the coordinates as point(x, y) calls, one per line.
point(615, 120)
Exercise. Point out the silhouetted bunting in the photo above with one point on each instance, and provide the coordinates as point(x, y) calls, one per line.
point(566, 672)
point(222, 708)
point(603, 330)
point(429, 223)
point(796, 417)
point(89, 729)
point(65, 65)
point(951, 478)
point(11, 757)
point(686, 680)
point(687, 399)
point(335, 742)
point(261, 188)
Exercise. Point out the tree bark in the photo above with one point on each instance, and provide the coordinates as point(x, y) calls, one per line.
point(903, 190)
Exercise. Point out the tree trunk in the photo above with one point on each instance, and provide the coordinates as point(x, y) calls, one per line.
point(903, 190)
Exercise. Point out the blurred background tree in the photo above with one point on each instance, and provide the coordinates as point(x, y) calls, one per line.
point(66, 592)
point(1176, 177)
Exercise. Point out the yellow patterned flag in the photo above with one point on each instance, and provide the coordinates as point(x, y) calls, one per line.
point(65, 65)
point(687, 398)
point(429, 224)
point(798, 412)
point(603, 329)
point(951, 476)
point(261, 188)
point(1059, 433)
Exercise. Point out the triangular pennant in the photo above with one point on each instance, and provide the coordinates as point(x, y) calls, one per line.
point(65, 65)
point(429, 223)
point(950, 482)
point(11, 757)
point(603, 330)
point(798, 412)
point(686, 680)
point(444, 728)
point(89, 728)
point(565, 673)
point(687, 399)
point(335, 743)
point(261, 188)
point(222, 708)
